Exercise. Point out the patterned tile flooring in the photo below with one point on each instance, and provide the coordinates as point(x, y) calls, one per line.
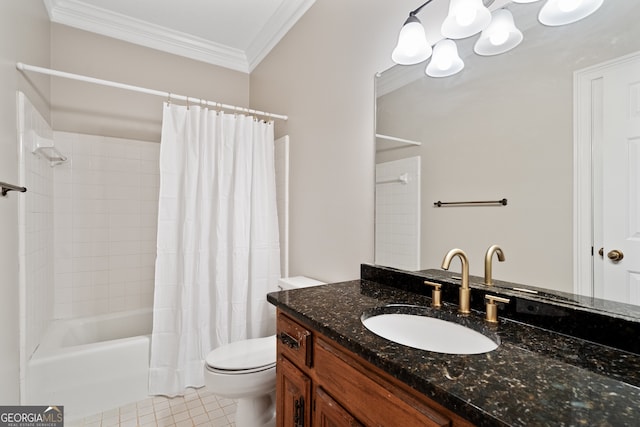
point(196, 408)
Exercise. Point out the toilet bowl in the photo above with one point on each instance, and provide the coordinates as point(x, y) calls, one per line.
point(246, 371)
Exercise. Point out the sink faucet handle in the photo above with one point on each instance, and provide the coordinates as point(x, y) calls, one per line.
point(492, 307)
point(436, 294)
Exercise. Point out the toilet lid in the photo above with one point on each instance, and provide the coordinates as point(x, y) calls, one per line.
point(244, 355)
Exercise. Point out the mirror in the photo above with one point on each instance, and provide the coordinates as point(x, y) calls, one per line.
point(502, 128)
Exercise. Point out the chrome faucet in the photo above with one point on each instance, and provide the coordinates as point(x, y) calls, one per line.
point(465, 292)
point(487, 262)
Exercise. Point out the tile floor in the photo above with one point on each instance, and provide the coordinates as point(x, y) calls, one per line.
point(196, 408)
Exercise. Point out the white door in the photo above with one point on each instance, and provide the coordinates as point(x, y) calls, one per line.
point(620, 210)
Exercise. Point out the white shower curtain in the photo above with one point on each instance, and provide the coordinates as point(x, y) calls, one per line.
point(218, 252)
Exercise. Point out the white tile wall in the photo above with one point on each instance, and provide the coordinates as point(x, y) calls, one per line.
point(398, 214)
point(36, 229)
point(105, 210)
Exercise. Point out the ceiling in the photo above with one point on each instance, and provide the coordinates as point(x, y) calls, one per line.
point(235, 34)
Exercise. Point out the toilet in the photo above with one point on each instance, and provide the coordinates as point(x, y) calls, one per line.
point(246, 371)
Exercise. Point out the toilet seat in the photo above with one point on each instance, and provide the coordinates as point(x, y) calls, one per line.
point(240, 371)
point(243, 357)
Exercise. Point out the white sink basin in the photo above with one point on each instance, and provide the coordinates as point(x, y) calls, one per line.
point(428, 333)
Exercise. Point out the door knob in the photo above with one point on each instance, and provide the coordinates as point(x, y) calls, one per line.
point(615, 255)
point(601, 252)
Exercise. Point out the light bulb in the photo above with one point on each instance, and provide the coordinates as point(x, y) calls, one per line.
point(466, 16)
point(499, 37)
point(568, 5)
point(412, 47)
point(562, 12)
point(444, 63)
point(410, 38)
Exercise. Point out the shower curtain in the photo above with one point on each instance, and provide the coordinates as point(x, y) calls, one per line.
point(218, 253)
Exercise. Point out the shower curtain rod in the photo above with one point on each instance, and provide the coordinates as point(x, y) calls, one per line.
point(196, 101)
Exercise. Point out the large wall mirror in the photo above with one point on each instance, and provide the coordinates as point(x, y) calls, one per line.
point(502, 128)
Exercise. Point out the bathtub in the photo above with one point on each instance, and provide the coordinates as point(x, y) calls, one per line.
point(92, 364)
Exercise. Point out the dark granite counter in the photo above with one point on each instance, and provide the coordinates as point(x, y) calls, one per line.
point(605, 322)
point(536, 377)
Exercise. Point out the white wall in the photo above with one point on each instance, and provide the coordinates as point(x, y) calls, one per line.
point(96, 110)
point(24, 35)
point(321, 74)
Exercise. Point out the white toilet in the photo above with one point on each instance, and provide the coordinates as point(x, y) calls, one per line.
point(246, 371)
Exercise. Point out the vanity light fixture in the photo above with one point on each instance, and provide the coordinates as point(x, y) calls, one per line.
point(465, 18)
point(469, 17)
point(562, 12)
point(412, 47)
point(445, 61)
point(500, 36)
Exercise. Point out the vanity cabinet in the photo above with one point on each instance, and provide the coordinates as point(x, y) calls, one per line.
point(322, 384)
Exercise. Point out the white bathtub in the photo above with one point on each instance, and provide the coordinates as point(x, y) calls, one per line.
point(92, 364)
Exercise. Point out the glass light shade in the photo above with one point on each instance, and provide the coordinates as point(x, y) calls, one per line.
point(524, 1)
point(412, 47)
point(445, 61)
point(562, 12)
point(465, 18)
point(500, 36)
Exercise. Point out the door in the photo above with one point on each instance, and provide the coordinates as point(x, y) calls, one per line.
point(606, 180)
point(620, 256)
point(293, 396)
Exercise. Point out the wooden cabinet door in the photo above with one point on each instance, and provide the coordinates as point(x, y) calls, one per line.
point(328, 413)
point(293, 395)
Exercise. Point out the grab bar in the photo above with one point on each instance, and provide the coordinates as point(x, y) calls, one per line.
point(10, 187)
point(502, 202)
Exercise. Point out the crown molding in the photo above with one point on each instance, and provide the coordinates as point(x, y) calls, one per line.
point(397, 76)
point(78, 14)
point(275, 29)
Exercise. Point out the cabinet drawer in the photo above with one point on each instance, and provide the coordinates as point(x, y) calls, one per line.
point(329, 413)
point(370, 398)
point(294, 341)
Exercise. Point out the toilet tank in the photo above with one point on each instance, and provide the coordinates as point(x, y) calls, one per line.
point(297, 282)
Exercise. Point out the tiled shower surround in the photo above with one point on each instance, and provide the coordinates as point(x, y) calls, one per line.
point(36, 229)
point(398, 214)
point(105, 213)
point(87, 226)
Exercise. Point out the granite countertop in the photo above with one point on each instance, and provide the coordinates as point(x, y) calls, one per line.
point(534, 378)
